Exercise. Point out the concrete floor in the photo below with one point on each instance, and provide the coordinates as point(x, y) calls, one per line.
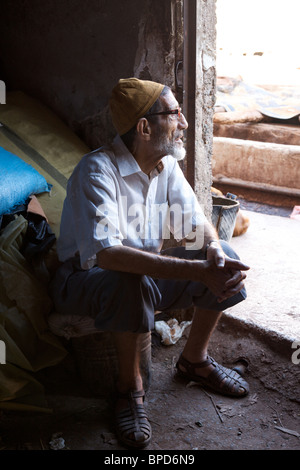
point(271, 247)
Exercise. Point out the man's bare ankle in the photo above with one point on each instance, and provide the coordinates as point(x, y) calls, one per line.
point(132, 385)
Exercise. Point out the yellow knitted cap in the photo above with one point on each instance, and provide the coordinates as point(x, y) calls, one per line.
point(130, 99)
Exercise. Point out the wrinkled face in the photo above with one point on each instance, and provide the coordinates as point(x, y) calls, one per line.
point(168, 131)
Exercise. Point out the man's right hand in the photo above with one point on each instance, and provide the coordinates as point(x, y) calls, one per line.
point(224, 281)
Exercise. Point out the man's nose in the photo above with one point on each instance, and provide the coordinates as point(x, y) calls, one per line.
point(182, 122)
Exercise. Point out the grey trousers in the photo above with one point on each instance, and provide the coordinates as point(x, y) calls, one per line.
point(120, 301)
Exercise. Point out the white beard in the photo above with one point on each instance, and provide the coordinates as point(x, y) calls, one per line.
point(178, 153)
point(166, 147)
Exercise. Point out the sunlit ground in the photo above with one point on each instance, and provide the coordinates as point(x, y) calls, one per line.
point(258, 40)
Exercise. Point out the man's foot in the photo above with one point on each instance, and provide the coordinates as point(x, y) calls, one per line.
point(133, 426)
point(212, 375)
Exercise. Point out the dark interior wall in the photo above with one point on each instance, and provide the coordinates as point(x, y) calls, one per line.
point(68, 53)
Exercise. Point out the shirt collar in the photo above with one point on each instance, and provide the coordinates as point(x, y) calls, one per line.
point(126, 162)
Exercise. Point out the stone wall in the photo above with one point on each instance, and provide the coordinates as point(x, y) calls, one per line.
point(205, 99)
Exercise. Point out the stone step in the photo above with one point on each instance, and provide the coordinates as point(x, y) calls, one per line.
point(258, 162)
point(286, 134)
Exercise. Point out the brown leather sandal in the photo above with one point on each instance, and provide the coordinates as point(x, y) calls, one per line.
point(133, 426)
point(221, 380)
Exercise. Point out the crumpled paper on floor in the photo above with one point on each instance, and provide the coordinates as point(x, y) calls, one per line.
point(171, 331)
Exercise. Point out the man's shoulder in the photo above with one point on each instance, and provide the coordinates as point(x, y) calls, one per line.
point(98, 163)
point(99, 160)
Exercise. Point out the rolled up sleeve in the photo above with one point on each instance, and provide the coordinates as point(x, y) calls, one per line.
point(96, 217)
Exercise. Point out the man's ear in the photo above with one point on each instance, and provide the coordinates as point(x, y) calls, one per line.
point(143, 128)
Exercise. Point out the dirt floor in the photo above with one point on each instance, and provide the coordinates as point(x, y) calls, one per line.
point(184, 417)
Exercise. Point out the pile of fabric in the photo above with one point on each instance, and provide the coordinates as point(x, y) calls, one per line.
point(37, 155)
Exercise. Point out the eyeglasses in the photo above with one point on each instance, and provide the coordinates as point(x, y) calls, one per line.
point(171, 111)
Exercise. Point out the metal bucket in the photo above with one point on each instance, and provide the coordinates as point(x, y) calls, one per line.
point(224, 215)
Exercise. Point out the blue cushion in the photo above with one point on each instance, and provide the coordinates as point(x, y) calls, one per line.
point(18, 181)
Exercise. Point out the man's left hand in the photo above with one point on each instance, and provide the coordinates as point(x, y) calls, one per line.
point(236, 281)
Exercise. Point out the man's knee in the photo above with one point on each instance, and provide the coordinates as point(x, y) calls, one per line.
point(228, 250)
